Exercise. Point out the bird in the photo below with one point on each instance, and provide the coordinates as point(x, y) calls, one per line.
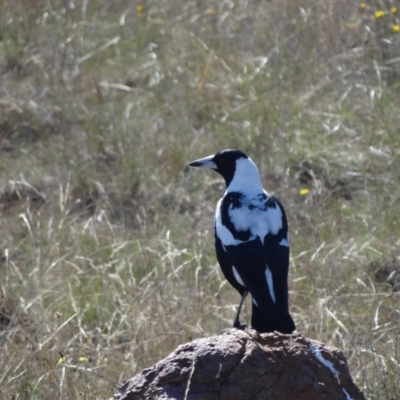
point(252, 241)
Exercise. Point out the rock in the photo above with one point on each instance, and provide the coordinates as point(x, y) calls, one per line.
point(241, 365)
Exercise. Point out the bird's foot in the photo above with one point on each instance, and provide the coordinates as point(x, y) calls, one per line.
point(240, 326)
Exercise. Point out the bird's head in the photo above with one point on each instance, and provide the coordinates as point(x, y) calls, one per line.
point(236, 168)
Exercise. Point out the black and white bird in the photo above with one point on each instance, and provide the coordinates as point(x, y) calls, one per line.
point(251, 241)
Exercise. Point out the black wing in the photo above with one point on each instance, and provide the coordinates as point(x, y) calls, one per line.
point(226, 265)
point(277, 257)
point(250, 261)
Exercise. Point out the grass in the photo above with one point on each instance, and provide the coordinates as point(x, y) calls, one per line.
point(106, 238)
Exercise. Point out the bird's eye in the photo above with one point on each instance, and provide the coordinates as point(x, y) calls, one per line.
point(221, 161)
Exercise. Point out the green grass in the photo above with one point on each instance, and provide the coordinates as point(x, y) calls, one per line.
point(106, 238)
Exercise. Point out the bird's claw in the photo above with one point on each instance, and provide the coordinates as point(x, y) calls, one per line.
point(240, 326)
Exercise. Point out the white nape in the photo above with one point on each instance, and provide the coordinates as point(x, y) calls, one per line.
point(246, 177)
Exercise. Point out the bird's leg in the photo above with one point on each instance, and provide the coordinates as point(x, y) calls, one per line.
point(236, 322)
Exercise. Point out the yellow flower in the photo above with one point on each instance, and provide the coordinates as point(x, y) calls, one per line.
point(379, 14)
point(304, 191)
point(395, 28)
point(210, 11)
point(139, 8)
point(393, 10)
point(362, 6)
point(351, 24)
point(83, 359)
point(61, 360)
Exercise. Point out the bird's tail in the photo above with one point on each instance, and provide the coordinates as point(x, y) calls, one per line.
point(281, 321)
point(285, 324)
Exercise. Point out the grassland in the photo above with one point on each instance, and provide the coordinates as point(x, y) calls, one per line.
point(107, 259)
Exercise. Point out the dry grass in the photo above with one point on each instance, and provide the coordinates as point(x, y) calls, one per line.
point(107, 248)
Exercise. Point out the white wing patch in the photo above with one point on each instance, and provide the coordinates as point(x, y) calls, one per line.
point(253, 216)
point(270, 283)
point(223, 232)
point(237, 276)
point(284, 242)
point(274, 219)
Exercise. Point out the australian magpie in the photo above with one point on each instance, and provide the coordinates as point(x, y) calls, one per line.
point(252, 241)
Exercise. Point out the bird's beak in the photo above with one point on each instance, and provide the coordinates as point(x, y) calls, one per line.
point(206, 162)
